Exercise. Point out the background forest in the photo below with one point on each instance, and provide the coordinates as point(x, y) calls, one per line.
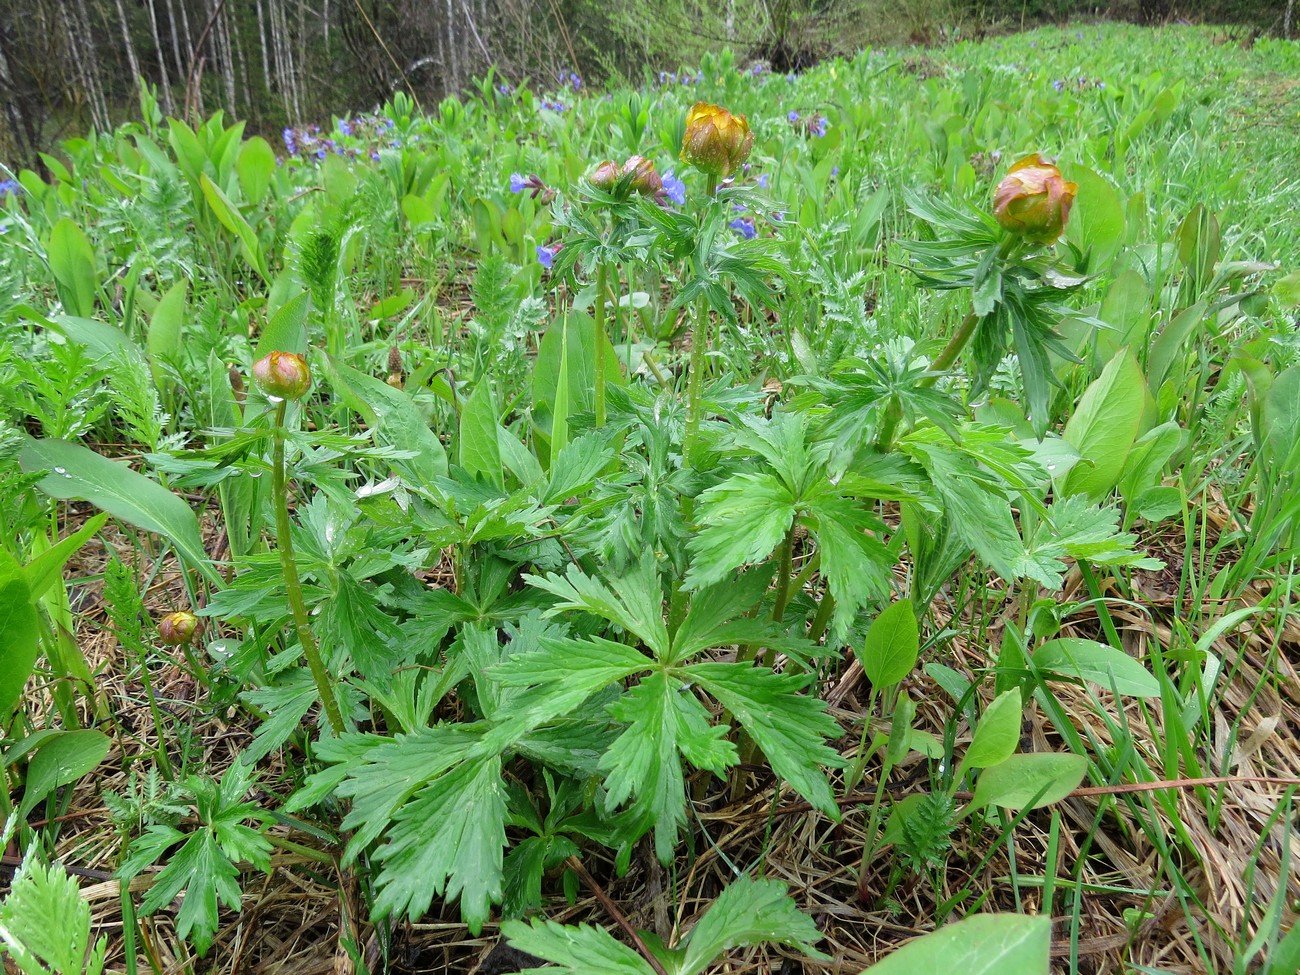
point(68, 66)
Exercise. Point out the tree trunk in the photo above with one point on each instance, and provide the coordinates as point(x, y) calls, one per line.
point(163, 79)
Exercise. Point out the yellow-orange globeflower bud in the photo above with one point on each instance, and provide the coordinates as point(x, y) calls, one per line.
point(1034, 200)
point(716, 141)
point(177, 628)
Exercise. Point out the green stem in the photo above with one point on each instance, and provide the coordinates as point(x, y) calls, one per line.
point(699, 348)
point(943, 362)
point(601, 284)
point(784, 575)
point(164, 762)
point(292, 583)
point(823, 618)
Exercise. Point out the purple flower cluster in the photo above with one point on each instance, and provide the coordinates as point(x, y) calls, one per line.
point(667, 78)
point(556, 106)
point(815, 124)
point(745, 227)
point(371, 131)
point(571, 79)
point(674, 188)
point(505, 89)
point(1080, 83)
point(9, 187)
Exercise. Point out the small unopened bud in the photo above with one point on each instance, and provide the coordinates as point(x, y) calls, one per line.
point(645, 180)
point(605, 177)
point(282, 375)
point(395, 378)
point(1034, 200)
point(237, 384)
point(178, 628)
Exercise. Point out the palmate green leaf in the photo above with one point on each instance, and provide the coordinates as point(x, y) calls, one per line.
point(45, 924)
point(855, 563)
point(637, 606)
point(742, 520)
point(790, 727)
point(204, 866)
point(384, 773)
point(567, 671)
point(449, 840)
point(208, 879)
point(986, 944)
point(748, 912)
point(665, 724)
point(975, 502)
point(574, 949)
point(715, 609)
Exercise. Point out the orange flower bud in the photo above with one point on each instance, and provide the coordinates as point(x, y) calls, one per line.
point(716, 142)
point(605, 177)
point(1034, 200)
point(177, 628)
point(645, 180)
point(282, 375)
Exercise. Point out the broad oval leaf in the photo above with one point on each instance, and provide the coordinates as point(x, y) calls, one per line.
point(890, 649)
point(1089, 660)
point(986, 944)
point(998, 731)
point(1033, 779)
point(19, 633)
point(78, 472)
point(61, 758)
point(1104, 426)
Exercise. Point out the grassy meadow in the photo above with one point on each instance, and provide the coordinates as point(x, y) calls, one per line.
point(427, 549)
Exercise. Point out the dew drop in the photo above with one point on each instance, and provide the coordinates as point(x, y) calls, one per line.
point(1051, 467)
point(60, 470)
point(254, 473)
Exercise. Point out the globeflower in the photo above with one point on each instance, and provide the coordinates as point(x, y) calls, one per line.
point(645, 180)
point(178, 628)
point(1034, 200)
point(282, 375)
point(716, 141)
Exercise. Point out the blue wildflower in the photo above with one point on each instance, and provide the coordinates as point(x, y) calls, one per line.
point(762, 181)
point(792, 117)
point(9, 187)
point(835, 171)
point(1058, 84)
point(345, 127)
point(518, 183)
point(819, 126)
point(546, 254)
point(674, 188)
point(745, 227)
